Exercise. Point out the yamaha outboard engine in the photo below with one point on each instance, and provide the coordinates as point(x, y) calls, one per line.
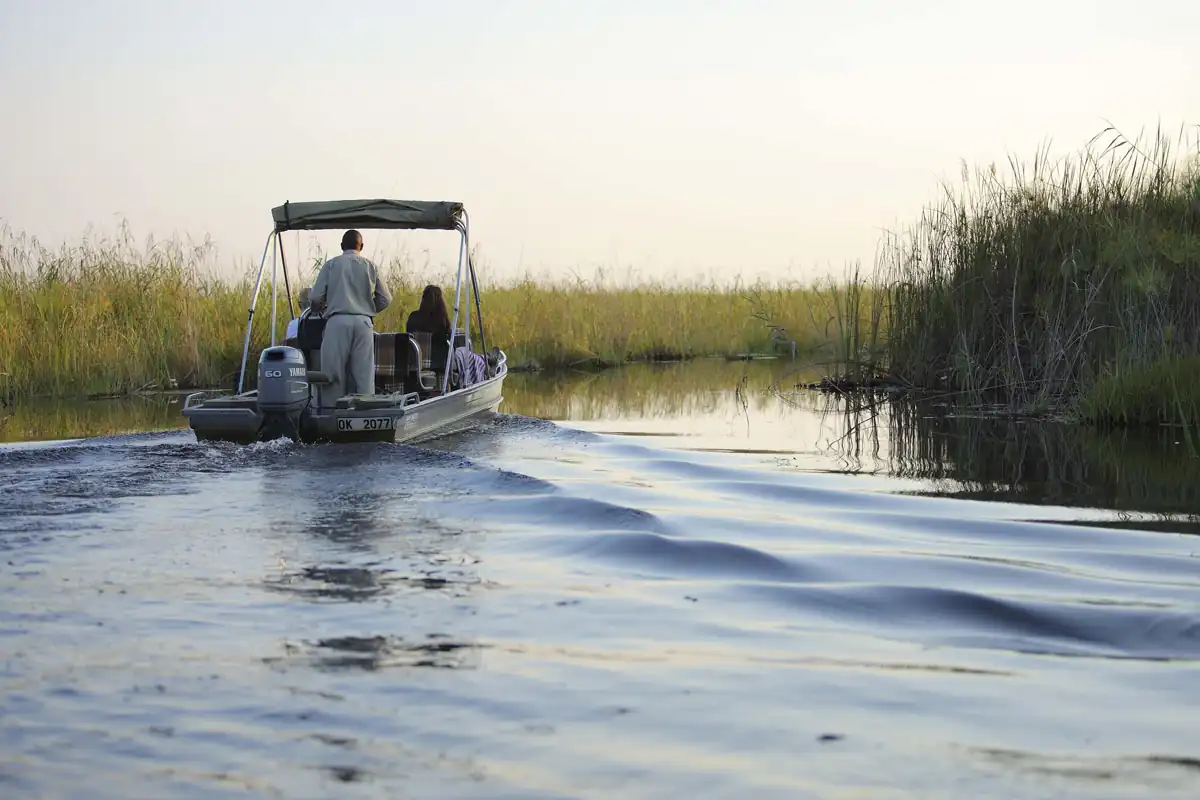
point(282, 392)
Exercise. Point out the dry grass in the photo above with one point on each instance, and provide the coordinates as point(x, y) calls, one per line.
point(106, 316)
point(110, 316)
point(556, 323)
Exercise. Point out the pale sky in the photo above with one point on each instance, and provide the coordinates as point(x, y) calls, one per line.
point(690, 138)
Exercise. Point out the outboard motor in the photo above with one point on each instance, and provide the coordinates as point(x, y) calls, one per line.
point(283, 392)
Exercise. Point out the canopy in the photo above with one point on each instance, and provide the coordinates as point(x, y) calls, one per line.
point(377, 214)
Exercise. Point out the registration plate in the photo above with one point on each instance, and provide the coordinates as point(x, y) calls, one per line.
point(366, 423)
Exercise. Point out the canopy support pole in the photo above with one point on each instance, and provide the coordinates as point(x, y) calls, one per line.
point(462, 244)
point(478, 308)
point(274, 286)
point(466, 289)
point(287, 285)
point(250, 319)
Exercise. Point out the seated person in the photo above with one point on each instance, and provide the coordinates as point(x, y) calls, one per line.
point(467, 368)
point(431, 316)
point(429, 323)
point(293, 327)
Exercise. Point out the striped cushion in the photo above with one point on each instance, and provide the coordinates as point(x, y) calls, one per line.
point(424, 340)
point(385, 355)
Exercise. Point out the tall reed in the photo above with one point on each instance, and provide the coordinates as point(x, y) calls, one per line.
point(1070, 286)
point(106, 315)
point(1031, 293)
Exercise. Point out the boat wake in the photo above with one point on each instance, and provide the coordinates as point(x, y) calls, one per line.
point(528, 609)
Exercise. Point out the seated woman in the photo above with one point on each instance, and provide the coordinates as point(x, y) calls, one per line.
point(431, 317)
point(429, 325)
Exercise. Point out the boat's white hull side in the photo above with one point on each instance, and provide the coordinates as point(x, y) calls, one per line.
point(237, 419)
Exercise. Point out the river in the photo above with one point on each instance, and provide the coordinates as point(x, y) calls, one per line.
point(662, 581)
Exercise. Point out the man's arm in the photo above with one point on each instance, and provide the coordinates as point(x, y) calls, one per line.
point(383, 295)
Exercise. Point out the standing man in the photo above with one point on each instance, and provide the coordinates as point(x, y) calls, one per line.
point(349, 292)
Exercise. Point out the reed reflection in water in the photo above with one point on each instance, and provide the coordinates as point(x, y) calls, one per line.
point(44, 419)
point(1149, 475)
point(756, 407)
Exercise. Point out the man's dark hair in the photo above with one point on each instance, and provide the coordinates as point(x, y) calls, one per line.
point(350, 240)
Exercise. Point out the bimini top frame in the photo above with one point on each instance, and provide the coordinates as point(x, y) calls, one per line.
point(378, 214)
point(370, 214)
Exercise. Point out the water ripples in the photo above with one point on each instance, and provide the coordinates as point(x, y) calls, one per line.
point(535, 611)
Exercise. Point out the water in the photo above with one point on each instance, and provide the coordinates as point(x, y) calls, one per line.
point(688, 585)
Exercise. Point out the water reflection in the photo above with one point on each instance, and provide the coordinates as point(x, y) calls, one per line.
point(748, 407)
point(759, 407)
point(41, 420)
point(1030, 462)
point(347, 584)
point(373, 653)
point(654, 391)
point(404, 549)
point(351, 517)
point(353, 530)
point(613, 612)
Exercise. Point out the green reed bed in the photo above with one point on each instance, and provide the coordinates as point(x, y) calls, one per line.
point(109, 316)
point(1074, 286)
point(106, 316)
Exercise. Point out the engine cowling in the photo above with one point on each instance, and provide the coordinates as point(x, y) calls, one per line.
point(283, 391)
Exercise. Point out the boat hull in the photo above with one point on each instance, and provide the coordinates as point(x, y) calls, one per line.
point(379, 419)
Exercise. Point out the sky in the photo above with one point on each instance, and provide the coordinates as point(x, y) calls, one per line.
point(660, 138)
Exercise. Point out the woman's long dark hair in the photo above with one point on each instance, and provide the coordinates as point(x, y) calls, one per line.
point(433, 309)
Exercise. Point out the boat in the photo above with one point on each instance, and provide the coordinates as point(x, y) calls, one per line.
point(424, 388)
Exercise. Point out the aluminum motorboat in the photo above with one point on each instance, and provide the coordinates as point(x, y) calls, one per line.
point(423, 388)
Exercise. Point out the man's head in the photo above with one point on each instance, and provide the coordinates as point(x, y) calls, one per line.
point(304, 293)
point(352, 240)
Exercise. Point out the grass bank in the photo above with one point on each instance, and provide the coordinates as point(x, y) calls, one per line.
point(1068, 286)
point(110, 316)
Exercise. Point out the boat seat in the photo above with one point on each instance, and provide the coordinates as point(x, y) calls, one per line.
point(433, 360)
point(310, 332)
point(397, 364)
point(423, 339)
point(309, 335)
point(439, 351)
